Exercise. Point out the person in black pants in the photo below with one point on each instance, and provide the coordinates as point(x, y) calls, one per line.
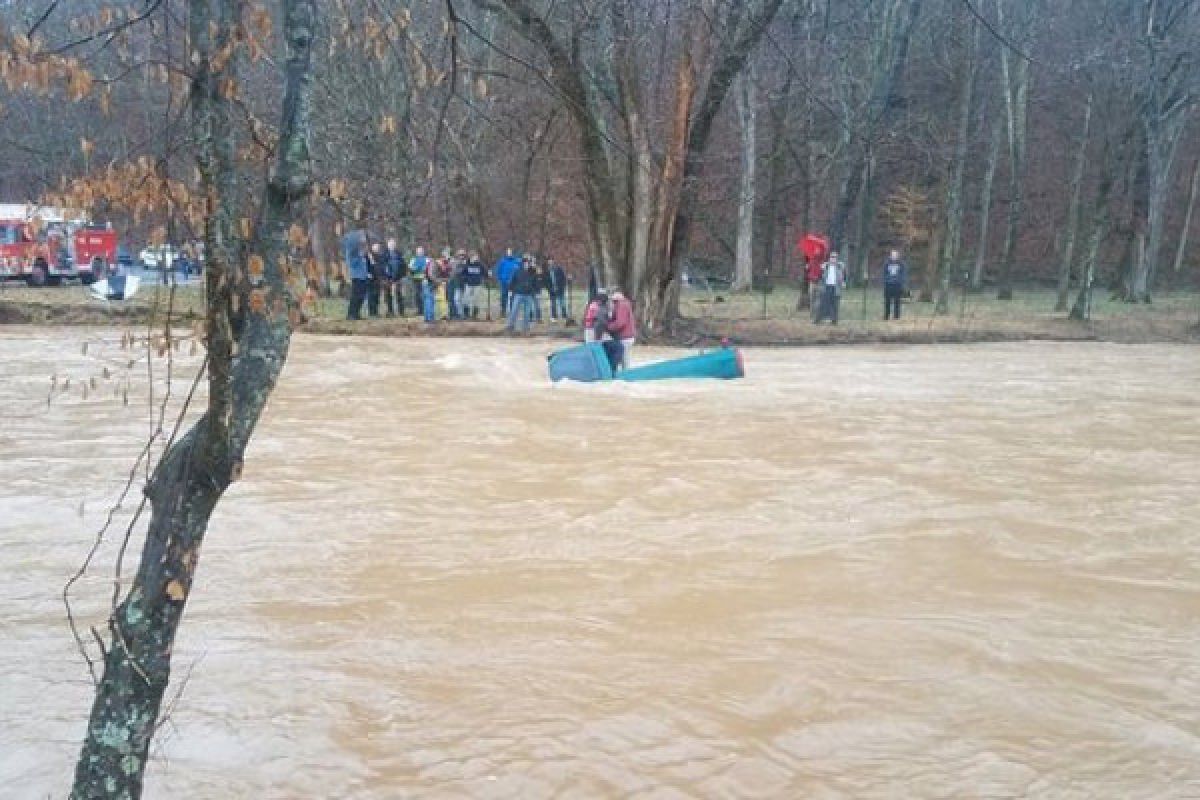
point(354, 251)
point(397, 271)
point(895, 278)
point(558, 291)
point(376, 266)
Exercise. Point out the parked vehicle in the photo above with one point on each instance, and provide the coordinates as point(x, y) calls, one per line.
point(44, 245)
point(158, 257)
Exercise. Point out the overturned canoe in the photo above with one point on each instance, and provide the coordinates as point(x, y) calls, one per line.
point(589, 363)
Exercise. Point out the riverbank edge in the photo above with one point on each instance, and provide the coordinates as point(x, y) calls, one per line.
point(690, 332)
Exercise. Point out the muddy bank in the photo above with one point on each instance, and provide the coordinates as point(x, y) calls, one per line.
point(1164, 327)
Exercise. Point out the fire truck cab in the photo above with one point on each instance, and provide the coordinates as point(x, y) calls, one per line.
point(43, 245)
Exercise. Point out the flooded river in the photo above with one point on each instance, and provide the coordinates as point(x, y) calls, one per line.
point(951, 572)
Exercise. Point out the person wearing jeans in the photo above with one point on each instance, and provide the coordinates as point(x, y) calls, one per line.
point(833, 280)
point(504, 272)
point(524, 284)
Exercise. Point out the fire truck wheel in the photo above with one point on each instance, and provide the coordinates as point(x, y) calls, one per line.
point(38, 275)
point(54, 280)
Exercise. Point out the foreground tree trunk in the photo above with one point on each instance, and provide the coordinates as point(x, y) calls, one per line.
point(247, 345)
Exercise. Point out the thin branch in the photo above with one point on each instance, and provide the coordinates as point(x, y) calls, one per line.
point(996, 34)
point(108, 32)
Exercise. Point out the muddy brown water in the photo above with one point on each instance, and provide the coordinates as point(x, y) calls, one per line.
point(961, 571)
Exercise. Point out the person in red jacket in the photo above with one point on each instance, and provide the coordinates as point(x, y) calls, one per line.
point(595, 318)
point(623, 326)
point(815, 249)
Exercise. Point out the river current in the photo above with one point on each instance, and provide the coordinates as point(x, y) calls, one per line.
point(927, 572)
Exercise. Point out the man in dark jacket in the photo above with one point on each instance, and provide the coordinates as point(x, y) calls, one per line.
point(895, 278)
point(397, 271)
point(558, 291)
point(524, 285)
point(472, 274)
point(354, 252)
point(376, 280)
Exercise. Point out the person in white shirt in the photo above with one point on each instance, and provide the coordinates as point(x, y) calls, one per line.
point(833, 280)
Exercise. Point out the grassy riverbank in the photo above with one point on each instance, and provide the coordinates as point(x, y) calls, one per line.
point(746, 318)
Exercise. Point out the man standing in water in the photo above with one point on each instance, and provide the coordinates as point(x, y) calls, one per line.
point(595, 317)
point(895, 276)
point(623, 326)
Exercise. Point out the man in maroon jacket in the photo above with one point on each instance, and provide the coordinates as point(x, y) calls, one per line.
point(623, 325)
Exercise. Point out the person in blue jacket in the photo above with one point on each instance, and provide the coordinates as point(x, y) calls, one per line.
point(354, 251)
point(895, 279)
point(505, 270)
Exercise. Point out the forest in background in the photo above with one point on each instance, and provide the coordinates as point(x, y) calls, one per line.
point(994, 141)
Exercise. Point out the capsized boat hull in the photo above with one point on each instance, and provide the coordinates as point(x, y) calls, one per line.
point(588, 363)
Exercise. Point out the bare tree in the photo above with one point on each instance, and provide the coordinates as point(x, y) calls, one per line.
point(747, 112)
point(250, 314)
point(1067, 265)
point(952, 242)
point(1184, 232)
point(1166, 35)
point(1014, 72)
point(642, 188)
point(889, 56)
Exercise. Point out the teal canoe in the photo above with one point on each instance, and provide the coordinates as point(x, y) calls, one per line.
point(588, 363)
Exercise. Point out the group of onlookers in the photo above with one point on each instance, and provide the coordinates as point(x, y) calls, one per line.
point(522, 281)
point(452, 287)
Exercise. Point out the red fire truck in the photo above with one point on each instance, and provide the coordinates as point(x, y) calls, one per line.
point(43, 245)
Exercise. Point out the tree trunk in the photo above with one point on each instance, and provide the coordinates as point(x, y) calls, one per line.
point(866, 218)
point(1181, 251)
point(658, 294)
point(194, 473)
point(954, 191)
point(747, 113)
point(985, 213)
point(1068, 254)
point(1082, 309)
point(1016, 104)
point(776, 244)
point(1169, 95)
point(936, 237)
